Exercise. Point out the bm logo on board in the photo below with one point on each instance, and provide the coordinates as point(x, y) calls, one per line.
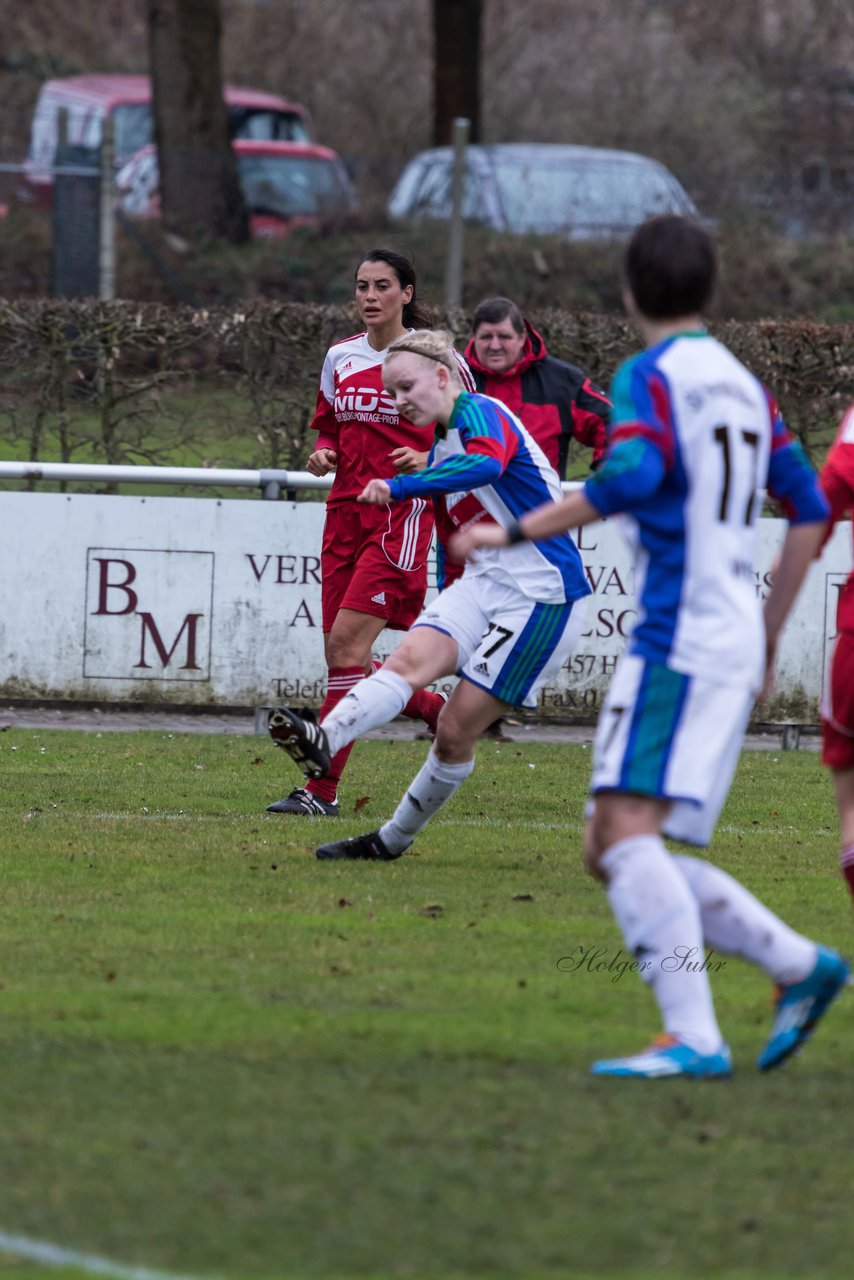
point(148, 614)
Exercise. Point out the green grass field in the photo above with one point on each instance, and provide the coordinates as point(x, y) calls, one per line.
point(223, 1058)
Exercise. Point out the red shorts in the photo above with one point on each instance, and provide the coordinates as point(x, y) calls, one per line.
point(837, 711)
point(374, 560)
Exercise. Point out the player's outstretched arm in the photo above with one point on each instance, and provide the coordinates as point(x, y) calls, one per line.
point(632, 472)
point(545, 522)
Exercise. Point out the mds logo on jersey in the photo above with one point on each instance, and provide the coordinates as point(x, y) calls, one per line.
point(148, 614)
point(354, 402)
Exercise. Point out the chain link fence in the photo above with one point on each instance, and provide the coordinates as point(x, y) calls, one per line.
point(76, 195)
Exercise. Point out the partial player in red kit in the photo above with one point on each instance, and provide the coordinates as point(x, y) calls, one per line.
point(837, 481)
point(373, 559)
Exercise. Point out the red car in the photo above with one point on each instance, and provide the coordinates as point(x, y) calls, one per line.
point(89, 100)
point(285, 184)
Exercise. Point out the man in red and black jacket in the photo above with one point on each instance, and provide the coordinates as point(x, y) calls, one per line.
point(555, 401)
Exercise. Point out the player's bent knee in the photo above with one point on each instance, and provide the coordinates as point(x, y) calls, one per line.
point(348, 656)
point(454, 743)
point(347, 651)
point(593, 867)
point(593, 849)
point(406, 665)
point(422, 657)
point(456, 733)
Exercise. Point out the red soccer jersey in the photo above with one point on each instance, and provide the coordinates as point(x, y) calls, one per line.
point(837, 481)
point(357, 417)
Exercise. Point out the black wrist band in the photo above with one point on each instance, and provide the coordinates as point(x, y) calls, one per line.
point(515, 533)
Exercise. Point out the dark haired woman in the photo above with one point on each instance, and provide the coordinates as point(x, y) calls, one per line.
point(373, 559)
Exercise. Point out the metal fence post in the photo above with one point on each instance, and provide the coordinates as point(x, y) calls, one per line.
point(107, 248)
point(454, 266)
point(76, 217)
point(271, 485)
point(56, 243)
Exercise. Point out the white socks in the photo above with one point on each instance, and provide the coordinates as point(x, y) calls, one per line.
point(374, 702)
point(670, 907)
point(369, 704)
point(432, 787)
point(660, 921)
point(738, 924)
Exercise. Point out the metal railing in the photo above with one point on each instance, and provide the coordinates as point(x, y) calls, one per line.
point(272, 483)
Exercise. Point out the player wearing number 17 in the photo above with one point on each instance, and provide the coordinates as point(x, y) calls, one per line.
point(694, 438)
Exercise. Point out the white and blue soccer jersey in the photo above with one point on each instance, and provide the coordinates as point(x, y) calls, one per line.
point(486, 448)
point(694, 439)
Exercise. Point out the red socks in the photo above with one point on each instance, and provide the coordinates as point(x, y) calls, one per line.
point(425, 706)
point(340, 682)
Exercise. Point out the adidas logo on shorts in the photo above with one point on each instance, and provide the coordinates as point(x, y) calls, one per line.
point(482, 669)
point(379, 598)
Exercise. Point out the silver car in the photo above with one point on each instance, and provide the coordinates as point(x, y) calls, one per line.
point(586, 193)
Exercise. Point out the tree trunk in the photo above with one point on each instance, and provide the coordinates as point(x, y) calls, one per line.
point(199, 186)
point(456, 74)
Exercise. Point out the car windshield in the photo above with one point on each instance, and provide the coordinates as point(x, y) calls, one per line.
point(262, 124)
point(135, 126)
point(291, 186)
point(596, 194)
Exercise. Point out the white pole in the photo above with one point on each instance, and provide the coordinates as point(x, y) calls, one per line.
point(225, 477)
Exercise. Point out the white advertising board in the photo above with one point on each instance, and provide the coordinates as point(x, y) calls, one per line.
point(215, 602)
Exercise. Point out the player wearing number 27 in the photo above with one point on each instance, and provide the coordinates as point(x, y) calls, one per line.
point(694, 437)
point(506, 627)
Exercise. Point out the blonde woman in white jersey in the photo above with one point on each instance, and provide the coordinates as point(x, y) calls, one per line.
point(506, 627)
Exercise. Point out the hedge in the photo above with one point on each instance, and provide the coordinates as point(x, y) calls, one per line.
point(127, 382)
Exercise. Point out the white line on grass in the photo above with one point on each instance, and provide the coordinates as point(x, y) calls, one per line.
point(54, 1255)
point(214, 817)
point(158, 817)
point(515, 824)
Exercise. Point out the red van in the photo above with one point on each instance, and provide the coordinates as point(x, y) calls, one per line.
point(252, 114)
point(285, 185)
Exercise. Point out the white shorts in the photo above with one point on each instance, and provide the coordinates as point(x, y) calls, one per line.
point(508, 644)
point(670, 736)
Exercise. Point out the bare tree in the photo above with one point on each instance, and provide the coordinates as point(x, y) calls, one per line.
point(199, 185)
point(456, 71)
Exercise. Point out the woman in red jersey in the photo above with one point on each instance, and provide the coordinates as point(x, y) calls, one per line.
point(374, 559)
point(837, 712)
